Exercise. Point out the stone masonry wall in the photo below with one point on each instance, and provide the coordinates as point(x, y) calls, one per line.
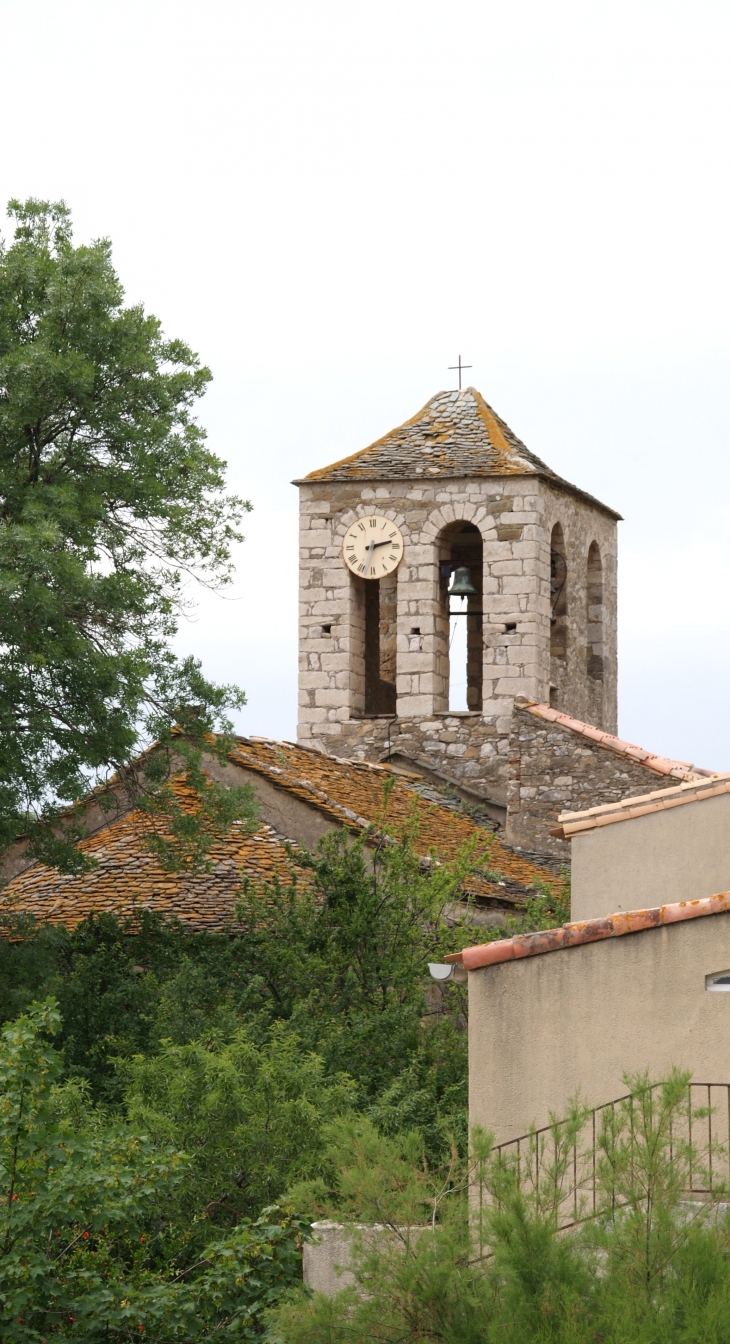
point(552, 770)
point(455, 745)
point(515, 516)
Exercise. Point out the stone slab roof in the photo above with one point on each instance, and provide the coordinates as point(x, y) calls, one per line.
point(660, 765)
point(455, 434)
point(128, 876)
point(661, 800)
point(350, 793)
point(588, 931)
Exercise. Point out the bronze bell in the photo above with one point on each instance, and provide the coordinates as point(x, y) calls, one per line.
point(461, 584)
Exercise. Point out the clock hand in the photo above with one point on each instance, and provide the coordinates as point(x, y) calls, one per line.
point(371, 548)
point(383, 543)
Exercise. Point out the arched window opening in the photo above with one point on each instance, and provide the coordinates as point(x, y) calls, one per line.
point(595, 641)
point(558, 595)
point(380, 643)
point(460, 558)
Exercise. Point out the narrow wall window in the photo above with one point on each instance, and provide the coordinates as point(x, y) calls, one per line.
point(595, 640)
point(380, 644)
point(558, 595)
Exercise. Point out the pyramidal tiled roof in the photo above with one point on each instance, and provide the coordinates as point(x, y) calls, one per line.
point(455, 434)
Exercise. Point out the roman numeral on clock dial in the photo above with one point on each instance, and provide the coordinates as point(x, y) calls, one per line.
point(373, 546)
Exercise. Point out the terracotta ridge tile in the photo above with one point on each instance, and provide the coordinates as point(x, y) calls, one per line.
point(588, 931)
point(660, 765)
point(626, 809)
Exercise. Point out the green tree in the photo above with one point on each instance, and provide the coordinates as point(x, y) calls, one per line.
point(472, 1252)
point(88, 1249)
point(109, 503)
point(123, 985)
point(251, 1118)
point(343, 958)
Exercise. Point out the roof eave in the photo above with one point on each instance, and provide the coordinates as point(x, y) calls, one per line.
point(584, 932)
point(323, 478)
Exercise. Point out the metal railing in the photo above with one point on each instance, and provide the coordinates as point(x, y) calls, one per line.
point(583, 1165)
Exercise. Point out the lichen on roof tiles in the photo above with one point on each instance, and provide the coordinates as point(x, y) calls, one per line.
point(351, 793)
point(129, 877)
point(454, 434)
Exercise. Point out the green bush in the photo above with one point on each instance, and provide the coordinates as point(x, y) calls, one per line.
point(85, 1229)
point(651, 1266)
point(251, 1118)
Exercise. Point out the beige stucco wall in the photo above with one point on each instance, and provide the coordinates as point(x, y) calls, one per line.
point(289, 815)
point(326, 1260)
point(677, 855)
point(546, 1027)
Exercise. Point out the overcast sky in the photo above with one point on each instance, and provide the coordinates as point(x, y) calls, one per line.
point(331, 201)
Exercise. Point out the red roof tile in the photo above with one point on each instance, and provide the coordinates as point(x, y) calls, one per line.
point(588, 931)
point(660, 765)
point(692, 791)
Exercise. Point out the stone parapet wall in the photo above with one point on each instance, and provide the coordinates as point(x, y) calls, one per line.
point(552, 770)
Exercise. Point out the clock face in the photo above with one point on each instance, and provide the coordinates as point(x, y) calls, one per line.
point(373, 547)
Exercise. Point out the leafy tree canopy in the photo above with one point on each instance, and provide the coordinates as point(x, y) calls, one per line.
point(90, 1245)
point(110, 503)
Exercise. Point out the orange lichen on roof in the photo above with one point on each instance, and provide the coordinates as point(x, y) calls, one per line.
point(589, 931)
point(661, 765)
point(129, 877)
point(626, 809)
point(454, 434)
point(350, 793)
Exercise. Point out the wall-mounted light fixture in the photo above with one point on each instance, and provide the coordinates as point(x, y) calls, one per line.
point(442, 971)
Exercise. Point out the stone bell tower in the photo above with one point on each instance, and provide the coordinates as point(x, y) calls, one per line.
point(537, 555)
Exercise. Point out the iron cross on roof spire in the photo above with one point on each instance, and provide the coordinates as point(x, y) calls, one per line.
point(459, 366)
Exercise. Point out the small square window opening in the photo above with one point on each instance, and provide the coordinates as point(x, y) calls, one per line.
point(718, 982)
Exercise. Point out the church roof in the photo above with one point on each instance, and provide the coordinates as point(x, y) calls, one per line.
point(350, 793)
point(455, 434)
point(128, 876)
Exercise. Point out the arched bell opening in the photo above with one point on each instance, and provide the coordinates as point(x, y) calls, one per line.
point(460, 592)
point(558, 595)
